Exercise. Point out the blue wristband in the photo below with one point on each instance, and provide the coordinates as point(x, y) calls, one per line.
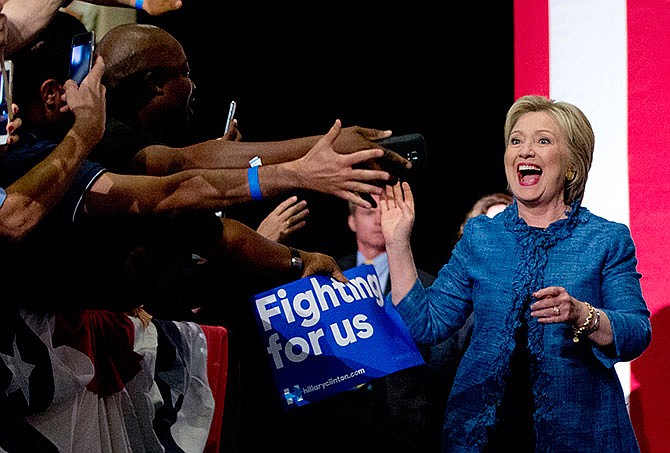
point(139, 4)
point(254, 186)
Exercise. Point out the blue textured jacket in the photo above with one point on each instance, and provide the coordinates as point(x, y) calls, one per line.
point(496, 265)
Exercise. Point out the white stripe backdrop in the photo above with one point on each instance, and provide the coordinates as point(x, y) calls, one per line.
point(588, 67)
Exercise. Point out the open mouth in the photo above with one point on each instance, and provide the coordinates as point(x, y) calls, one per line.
point(528, 174)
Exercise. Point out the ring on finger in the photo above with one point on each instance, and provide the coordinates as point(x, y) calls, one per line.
point(557, 310)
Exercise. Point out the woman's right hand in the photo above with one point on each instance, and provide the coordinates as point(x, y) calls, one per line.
point(397, 206)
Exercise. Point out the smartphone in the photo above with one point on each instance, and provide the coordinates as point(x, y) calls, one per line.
point(231, 115)
point(81, 55)
point(6, 113)
point(410, 146)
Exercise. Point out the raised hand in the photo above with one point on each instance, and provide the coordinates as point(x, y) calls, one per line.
point(287, 218)
point(158, 7)
point(397, 206)
point(356, 138)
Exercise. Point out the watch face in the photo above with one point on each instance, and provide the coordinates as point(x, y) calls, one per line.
point(296, 262)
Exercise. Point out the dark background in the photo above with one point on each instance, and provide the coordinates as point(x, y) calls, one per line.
point(441, 69)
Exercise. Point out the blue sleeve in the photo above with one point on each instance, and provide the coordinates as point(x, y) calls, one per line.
point(435, 313)
point(623, 300)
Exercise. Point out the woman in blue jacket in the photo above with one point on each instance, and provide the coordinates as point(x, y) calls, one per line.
point(555, 293)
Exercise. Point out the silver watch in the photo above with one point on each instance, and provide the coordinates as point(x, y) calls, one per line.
point(297, 265)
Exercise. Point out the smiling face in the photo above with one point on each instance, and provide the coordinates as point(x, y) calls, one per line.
point(536, 161)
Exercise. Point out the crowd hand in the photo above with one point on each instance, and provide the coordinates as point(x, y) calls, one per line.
point(324, 170)
point(158, 7)
point(16, 123)
point(13, 126)
point(318, 263)
point(287, 218)
point(554, 304)
point(233, 134)
point(356, 138)
point(397, 212)
point(87, 102)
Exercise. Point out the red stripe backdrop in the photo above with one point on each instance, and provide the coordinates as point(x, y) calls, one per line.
point(649, 173)
point(531, 39)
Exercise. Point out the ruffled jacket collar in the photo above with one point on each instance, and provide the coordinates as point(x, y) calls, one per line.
point(534, 245)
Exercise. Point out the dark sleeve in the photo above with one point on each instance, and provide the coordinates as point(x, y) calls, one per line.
point(72, 201)
point(20, 159)
point(118, 147)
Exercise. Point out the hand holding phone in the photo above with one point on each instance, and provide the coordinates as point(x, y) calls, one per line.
point(6, 113)
point(231, 116)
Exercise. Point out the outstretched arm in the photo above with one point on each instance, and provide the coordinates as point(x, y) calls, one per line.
point(217, 189)
point(27, 17)
point(321, 170)
point(249, 250)
point(153, 7)
point(161, 160)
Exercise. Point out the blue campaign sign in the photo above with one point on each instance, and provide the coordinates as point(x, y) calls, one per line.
point(323, 336)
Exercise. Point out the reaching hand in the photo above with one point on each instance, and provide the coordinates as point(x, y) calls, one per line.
point(287, 218)
point(318, 263)
point(158, 7)
point(356, 138)
point(397, 206)
point(324, 170)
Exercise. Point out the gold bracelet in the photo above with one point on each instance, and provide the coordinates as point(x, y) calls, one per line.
point(579, 331)
point(595, 326)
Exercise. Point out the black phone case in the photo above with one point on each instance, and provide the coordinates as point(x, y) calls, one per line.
point(410, 146)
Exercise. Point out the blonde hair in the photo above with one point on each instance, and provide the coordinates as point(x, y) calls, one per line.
point(578, 133)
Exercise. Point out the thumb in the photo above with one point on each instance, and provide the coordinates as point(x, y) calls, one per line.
point(334, 131)
point(339, 276)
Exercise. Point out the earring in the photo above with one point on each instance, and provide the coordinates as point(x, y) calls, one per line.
point(570, 174)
